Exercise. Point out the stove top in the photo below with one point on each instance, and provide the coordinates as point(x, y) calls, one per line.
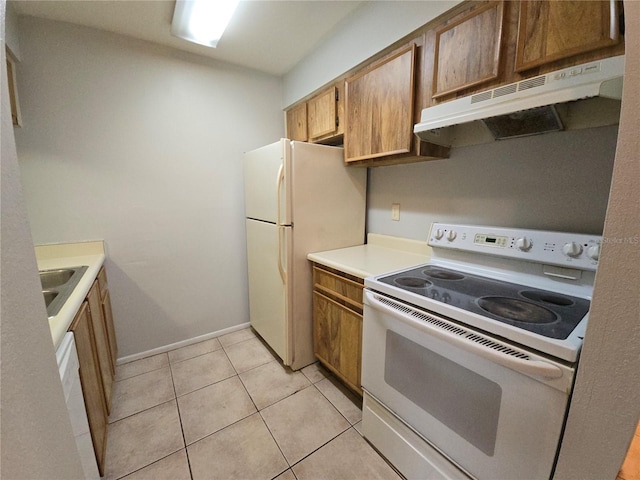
point(531, 287)
point(545, 313)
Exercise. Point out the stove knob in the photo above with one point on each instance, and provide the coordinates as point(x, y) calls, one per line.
point(593, 252)
point(572, 249)
point(439, 234)
point(451, 236)
point(523, 244)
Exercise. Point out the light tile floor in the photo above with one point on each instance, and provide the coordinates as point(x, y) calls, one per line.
point(227, 409)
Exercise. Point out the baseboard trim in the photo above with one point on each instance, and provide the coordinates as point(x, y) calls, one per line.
point(182, 343)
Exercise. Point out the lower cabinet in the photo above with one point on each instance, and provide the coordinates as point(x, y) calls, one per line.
point(108, 315)
point(91, 380)
point(337, 324)
point(95, 338)
point(107, 367)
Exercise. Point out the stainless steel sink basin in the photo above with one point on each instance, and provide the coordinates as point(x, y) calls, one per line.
point(49, 296)
point(58, 285)
point(55, 278)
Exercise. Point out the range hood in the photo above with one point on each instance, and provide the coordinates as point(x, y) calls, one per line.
point(528, 107)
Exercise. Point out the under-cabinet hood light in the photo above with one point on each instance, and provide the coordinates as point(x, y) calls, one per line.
point(202, 21)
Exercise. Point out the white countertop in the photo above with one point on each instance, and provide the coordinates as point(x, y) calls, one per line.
point(382, 254)
point(67, 255)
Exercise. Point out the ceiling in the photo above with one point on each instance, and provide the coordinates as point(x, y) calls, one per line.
point(268, 35)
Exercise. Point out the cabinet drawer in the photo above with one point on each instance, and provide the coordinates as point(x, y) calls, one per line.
point(341, 289)
point(337, 339)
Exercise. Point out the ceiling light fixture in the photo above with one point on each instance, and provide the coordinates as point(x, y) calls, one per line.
point(202, 21)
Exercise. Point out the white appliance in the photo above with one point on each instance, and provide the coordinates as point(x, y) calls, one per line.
point(69, 375)
point(469, 361)
point(299, 198)
point(527, 107)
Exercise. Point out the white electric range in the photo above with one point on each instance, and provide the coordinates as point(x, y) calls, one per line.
point(469, 360)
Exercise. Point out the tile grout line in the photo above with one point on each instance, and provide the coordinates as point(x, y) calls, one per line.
point(257, 410)
point(175, 399)
point(145, 466)
point(179, 348)
point(329, 400)
point(149, 371)
point(316, 449)
point(184, 440)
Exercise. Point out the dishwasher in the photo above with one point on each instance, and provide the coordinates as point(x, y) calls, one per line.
point(70, 377)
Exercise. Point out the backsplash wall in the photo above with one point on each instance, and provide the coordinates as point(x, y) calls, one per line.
point(558, 181)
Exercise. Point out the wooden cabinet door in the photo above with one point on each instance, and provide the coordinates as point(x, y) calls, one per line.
point(322, 114)
point(107, 369)
point(105, 297)
point(337, 337)
point(91, 381)
point(549, 31)
point(297, 123)
point(467, 51)
point(110, 328)
point(379, 104)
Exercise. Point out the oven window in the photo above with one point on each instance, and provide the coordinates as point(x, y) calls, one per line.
point(467, 403)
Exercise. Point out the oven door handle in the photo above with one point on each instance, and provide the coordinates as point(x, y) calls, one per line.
point(529, 367)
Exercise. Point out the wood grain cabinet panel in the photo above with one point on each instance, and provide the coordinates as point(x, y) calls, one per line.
point(319, 119)
point(105, 298)
point(91, 381)
point(297, 123)
point(322, 114)
point(338, 339)
point(347, 291)
point(107, 368)
point(550, 31)
point(379, 103)
point(337, 324)
point(467, 51)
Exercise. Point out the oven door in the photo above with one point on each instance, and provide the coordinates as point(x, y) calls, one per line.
point(494, 409)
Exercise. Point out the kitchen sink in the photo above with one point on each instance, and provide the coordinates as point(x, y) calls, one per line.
point(55, 278)
point(49, 296)
point(58, 285)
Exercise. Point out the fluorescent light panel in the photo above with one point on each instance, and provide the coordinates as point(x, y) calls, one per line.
point(202, 21)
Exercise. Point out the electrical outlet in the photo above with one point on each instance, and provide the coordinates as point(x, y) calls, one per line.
point(395, 212)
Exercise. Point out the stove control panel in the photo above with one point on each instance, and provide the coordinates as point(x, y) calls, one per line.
point(571, 250)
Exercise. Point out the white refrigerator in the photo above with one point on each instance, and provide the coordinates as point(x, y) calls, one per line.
point(299, 198)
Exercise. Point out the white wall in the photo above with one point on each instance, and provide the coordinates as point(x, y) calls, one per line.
point(558, 181)
point(368, 30)
point(142, 146)
point(36, 436)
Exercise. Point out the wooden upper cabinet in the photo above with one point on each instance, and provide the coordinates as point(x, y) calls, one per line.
point(379, 103)
point(297, 123)
point(322, 114)
point(467, 50)
point(319, 119)
point(550, 31)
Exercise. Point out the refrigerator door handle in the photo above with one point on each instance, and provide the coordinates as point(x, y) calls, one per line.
point(278, 188)
point(283, 272)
